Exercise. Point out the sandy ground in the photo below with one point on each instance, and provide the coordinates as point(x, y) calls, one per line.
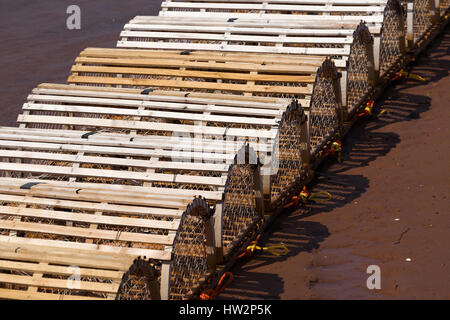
point(394, 168)
point(36, 46)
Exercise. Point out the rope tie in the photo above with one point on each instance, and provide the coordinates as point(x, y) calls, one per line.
point(368, 110)
point(276, 250)
point(335, 149)
point(211, 294)
point(305, 196)
point(402, 74)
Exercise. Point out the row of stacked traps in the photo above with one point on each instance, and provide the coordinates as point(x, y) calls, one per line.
point(158, 160)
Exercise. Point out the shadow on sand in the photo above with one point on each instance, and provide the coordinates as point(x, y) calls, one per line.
point(362, 145)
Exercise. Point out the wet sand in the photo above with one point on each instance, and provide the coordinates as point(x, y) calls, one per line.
point(394, 168)
point(36, 46)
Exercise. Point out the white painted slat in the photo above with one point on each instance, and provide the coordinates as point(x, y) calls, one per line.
point(297, 17)
point(96, 249)
point(141, 195)
point(112, 174)
point(88, 218)
point(148, 113)
point(83, 205)
point(235, 37)
point(236, 48)
point(138, 125)
point(272, 7)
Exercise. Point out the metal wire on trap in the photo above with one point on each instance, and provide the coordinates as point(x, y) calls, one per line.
point(324, 111)
point(392, 33)
point(422, 18)
point(358, 67)
point(287, 155)
point(190, 259)
point(140, 282)
point(240, 211)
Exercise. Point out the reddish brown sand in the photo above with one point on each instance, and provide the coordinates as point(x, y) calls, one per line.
point(36, 46)
point(393, 168)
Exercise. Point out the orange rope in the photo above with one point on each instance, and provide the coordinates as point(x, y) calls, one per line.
point(335, 148)
point(211, 294)
point(295, 200)
point(368, 109)
point(248, 252)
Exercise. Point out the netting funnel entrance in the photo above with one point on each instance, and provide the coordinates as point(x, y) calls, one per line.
point(192, 251)
point(360, 70)
point(140, 282)
point(392, 40)
point(242, 208)
point(287, 163)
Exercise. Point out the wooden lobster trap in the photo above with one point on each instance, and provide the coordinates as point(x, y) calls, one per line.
point(78, 138)
point(122, 138)
point(313, 80)
point(389, 42)
point(348, 44)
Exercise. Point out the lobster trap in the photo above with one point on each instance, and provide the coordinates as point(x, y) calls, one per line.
point(385, 17)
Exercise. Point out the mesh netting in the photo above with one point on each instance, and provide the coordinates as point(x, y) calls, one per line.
point(444, 5)
point(358, 68)
point(422, 18)
point(324, 107)
point(239, 212)
point(139, 283)
point(287, 152)
point(391, 32)
point(190, 262)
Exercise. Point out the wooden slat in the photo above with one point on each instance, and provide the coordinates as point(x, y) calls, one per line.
point(88, 218)
point(148, 113)
point(60, 284)
point(24, 295)
point(138, 125)
point(58, 270)
point(98, 206)
point(267, 89)
point(211, 14)
point(113, 174)
point(141, 195)
point(273, 7)
point(95, 249)
point(64, 256)
point(162, 95)
point(87, 233)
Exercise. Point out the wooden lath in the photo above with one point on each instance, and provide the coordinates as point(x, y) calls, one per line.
point(242, 74)
point(269, 9)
